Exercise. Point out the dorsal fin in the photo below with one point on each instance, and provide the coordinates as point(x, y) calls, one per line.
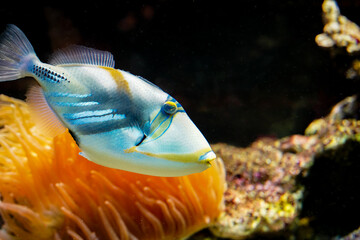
point(44, 117)
point(82, 55)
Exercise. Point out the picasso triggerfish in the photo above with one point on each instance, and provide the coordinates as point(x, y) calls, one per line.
point(119, 120)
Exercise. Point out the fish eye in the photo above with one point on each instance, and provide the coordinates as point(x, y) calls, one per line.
point(169, 107)
point(140, 140)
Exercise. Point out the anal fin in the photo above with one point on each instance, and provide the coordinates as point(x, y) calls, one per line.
point(44, 117)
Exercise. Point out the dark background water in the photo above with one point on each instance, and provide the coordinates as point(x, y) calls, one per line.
point(241, 69)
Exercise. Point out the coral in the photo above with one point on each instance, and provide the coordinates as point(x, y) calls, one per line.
point(264, 195)
point(340, 32)
point(48, 191)
point(261, 195)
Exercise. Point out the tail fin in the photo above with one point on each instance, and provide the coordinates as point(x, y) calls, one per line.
point(15, 54)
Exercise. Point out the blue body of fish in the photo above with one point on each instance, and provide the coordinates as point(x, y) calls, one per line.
point(119, 120)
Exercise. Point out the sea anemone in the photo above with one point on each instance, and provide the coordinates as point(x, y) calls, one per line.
point(48, 191)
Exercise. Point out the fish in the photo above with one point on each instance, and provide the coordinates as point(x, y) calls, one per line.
point(118, 120)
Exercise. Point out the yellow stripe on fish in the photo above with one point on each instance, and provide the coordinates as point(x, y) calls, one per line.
point(119, 79)
point(186, 158)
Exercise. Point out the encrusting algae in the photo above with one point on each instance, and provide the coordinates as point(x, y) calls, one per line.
point(265, 192)
point(49, 191)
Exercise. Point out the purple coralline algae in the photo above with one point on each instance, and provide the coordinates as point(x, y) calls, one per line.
point(263, 194)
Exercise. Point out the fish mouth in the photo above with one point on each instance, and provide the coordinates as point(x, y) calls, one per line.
point(207, 157)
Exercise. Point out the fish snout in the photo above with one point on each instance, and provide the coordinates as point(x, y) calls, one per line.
point(207, 157)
